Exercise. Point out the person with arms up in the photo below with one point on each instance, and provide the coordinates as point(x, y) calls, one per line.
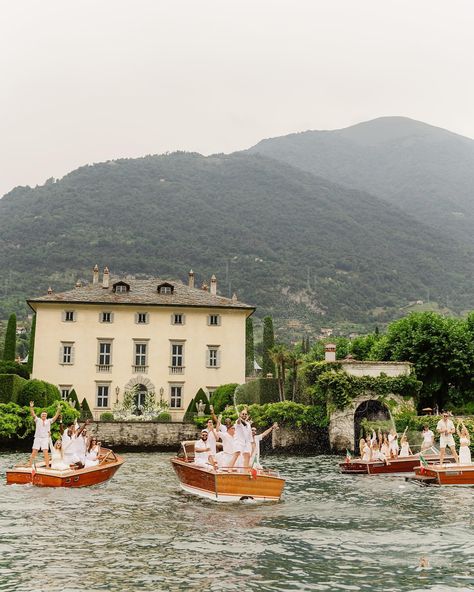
point(445, 429)
point(42, 433)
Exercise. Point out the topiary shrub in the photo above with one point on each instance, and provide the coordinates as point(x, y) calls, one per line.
point(201, 396)
point(191, 411)
point(34, 390)
point(74, 400)
point(86, 412)
point(10, 387)
point(223, 396)
point(9, 367)
point(52, 393)
point(164, 417)
point(107, 416)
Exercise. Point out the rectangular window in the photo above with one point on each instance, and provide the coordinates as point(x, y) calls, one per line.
point(69, 316)
point(66, 353)
point(65, 390)
point(140, 354)
point(177, 319)
point(214, 320)
point(141, 318)
point(177, 354)
point(106, 317)
point(120, 289)
point(103, 395)
point(105, 353)
point(176, 396)
point(213, 356)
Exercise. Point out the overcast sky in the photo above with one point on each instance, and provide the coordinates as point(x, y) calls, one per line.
point(84, 81)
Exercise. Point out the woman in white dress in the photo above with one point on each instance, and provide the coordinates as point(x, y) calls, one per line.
point(92, 453)
point(57, 457)
point(393, 443)
point(366, 452)
point(405, 450)
point(464, 441)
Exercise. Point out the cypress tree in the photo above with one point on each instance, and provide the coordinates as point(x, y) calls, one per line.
point(201, 396)
point(249, 347)
point(31, 350)
point(10, 339)
point(268, 343)
point(191, 411)
point(303, 345)
point(308, 346)
point(74, 399)
point(86, 412)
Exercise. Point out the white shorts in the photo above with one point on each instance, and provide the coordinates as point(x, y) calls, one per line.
point(41, 444)
point(446, 441)
point(242, 447)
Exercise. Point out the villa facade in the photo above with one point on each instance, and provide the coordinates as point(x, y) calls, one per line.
point(104, 338)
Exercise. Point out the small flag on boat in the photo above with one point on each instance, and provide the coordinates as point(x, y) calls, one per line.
point(348, 456)
point(423, 463)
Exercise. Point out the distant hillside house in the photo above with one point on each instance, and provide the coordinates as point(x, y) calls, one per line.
point(104, 338)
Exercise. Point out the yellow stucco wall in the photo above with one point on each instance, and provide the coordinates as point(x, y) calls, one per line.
point(86, 331)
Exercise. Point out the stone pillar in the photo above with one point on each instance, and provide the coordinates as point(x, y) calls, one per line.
point(191, 278)
point(330, 352)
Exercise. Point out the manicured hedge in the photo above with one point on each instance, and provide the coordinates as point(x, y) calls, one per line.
point(10, 387)
point(41, 392)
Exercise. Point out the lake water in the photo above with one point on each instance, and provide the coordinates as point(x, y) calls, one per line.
point(331, 532)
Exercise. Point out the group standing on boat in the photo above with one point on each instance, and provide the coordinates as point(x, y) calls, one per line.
point(239, 441)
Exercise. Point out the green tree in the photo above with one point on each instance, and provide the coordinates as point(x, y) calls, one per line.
point(279, 356)
point(9, 351)
point(201, 396)
point(293, 358)
point(86, 412)
point(190, 411)
point(31, 350)
point(249, 347)
point(223, 396)
point(74, 399)
point(268, 343)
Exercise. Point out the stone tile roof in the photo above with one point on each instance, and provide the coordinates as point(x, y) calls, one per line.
point(142, 292)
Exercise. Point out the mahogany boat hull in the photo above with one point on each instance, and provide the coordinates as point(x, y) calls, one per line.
point(399, 465)
point(451, 474)
point(42, 477)
point(226, 486)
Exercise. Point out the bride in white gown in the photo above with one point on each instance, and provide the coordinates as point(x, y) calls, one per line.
point(464, 441)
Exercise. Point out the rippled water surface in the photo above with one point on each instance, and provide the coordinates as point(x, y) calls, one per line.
point(331, 532)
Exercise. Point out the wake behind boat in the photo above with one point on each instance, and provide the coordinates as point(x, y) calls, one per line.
point(40, 476)
point(225, 484)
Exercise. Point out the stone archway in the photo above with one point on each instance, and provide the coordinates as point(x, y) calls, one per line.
point(371, 410)
point(143, 380)
point(342, 422)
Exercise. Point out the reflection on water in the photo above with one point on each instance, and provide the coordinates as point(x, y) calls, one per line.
point(140, 532)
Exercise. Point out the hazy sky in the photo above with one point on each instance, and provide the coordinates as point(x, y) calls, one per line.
point(84, 81)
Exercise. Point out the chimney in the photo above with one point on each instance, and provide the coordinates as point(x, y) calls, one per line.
point(191, 278)
point(50, 290)
point(78, 284)
point(214, 285)
point(204, 287)
point(330, 352)
point(234, 297)
point(105, 279)
point(95, 274)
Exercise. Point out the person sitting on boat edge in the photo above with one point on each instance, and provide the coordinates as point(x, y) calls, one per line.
point(202, 452)
point(42, 432)
point(445, 429)
point(256, 439)
point(92, 453)
point(57, 457)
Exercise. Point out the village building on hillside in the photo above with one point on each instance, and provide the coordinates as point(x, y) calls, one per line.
point(111, 336)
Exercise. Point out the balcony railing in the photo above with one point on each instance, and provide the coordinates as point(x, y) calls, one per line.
point(140, 369)
point(176, 369)
point(104, 367)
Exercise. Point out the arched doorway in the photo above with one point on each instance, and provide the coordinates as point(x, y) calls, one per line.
point(139, 399)
point(371, 410)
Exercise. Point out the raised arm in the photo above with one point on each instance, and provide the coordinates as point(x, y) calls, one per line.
point(56, 415)
point(86, 423)
point(270, 429)
point(32, 409)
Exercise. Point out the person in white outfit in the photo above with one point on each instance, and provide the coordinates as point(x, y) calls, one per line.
point(243, 438)
point(225, 458)
point(256, 439)
point(405, 449)
point(202, 452)
point(393, 443)
point(73, 445)
point(42, 433)
point(428, 438)
point(464, 442)
point(445, 429)
point(92, 453)
point(57, 457)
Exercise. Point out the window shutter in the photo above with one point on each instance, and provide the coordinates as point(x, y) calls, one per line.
point(100, 317)
point(61, 351)
point(136, 317)
point(111, 317)
point(208, 319)
point(183, 319)
point(73, 349)
point(172, 319)
point(63, 315)
point(218, 319)
point(208, 357)
point(218, 357)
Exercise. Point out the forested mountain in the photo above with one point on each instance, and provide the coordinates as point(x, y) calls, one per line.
point(295, 245)
point(426, 171)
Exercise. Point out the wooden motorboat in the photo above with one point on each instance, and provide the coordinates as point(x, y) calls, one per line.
point(446, 474)
point(225, 485)
point(406, 464)
point(40, 476)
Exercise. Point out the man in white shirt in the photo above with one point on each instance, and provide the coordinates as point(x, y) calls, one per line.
point(202, 452)
point(428, 438)
point(225, 458)
point(445, 429)
point(42, 433)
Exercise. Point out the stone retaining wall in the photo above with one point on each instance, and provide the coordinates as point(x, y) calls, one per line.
point(150, 435)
